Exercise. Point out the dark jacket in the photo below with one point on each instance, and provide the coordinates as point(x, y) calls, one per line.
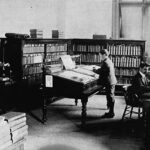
point(140, 85)
point(107, 73)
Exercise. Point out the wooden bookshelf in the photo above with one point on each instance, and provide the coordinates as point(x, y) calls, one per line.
point(125, 54)
point(26, 56)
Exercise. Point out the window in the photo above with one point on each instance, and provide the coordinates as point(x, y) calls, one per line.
point(131, 20)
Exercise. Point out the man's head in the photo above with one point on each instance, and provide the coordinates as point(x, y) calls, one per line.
point(104, 53)
point(144, 68)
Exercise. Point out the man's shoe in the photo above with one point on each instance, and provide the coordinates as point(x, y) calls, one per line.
point(109, 115)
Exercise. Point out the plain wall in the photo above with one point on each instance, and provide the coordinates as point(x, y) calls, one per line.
point(76, 18)
point(87, 17)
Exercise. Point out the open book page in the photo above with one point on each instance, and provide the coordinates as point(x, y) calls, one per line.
point(67, 62)
point(74, 76)
point(86, 72)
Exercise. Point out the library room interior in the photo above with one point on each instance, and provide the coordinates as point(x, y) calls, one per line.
point(74, 74)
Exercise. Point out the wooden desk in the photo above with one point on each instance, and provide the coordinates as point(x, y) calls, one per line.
point(49, 93)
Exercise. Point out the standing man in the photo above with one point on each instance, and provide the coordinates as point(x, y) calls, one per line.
point(108, 80)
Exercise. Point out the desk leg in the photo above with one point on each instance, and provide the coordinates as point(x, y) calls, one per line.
point(84, 103)
point(44, 119)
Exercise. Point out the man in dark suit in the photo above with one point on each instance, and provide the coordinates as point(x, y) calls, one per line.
point(140, 83)
point(108, 80)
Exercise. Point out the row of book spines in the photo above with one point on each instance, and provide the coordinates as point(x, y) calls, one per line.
point(126, 61)
point(123, 81)
point(88, 48)
point(90, 58)
point(32, 48)
point(54, 48)
point(32, 59)
point(39, 48)
point(54, 56)
point(125, 72)
point(124, 50)
point(118, 61)
point(32, 70)
point(38, 58)
point(34, 78)
point(113, 49)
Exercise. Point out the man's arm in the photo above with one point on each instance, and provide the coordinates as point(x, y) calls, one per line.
point(97, 70)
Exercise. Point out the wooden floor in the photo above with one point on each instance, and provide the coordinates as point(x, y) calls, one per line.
point(63, 131)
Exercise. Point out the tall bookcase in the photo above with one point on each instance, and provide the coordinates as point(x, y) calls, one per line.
point(125, 54)
point(27, 56)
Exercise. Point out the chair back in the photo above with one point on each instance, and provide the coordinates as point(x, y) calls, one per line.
point(131, 98)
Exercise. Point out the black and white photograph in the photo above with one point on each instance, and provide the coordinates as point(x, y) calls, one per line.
point(74, 74)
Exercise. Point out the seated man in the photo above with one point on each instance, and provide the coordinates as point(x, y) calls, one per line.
point(140, 83)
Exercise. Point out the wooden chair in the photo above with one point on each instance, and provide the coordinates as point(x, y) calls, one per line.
point(133, 104)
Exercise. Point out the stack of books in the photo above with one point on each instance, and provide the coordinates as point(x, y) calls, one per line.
point(36, 33)
point(17, 124)
point(55, 34)
point(5, 136)
point(61, 35)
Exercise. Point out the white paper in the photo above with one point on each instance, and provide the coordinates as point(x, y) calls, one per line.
point(49, 81)
point(67, 62)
